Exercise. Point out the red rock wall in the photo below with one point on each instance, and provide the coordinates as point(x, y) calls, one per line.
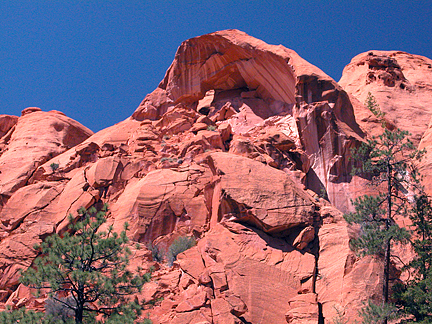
point(234, 147)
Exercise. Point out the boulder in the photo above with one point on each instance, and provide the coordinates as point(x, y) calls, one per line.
point(249, 191)
point(162, 202)
point(103, 172)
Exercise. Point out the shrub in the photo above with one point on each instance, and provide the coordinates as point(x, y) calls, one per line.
point(147, 320)
point(54, 166)
point(21, 315)
point(169, 159)
point(211, 128)
point(339, 318)
point(57, 308)
point(180, 245)
point(378, 313)
point(157, 253)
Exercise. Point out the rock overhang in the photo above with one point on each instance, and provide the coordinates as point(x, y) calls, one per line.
point(223, 61)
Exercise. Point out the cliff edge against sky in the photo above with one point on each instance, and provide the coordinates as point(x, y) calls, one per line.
point(245, 146)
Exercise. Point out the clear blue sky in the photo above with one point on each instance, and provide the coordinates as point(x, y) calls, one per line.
point(96, 60)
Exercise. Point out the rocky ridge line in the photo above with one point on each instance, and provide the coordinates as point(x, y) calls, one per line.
point(235, 147)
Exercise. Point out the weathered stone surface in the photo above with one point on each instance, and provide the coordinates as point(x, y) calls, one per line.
point(306, 236)
point(198, 127)
point(192, 261)
point(339, 286)
point(201, 316)
point(425, 165)
point(224, 87)
point(160, 203)
point(221, 61)
point(6, 123)
point(102, 173)
point(303, 309)
point(28, 200)
point(89, 151)
point(17, 253)
point(327, 143)
point(400, 82)
point(262, 196)
point(237, 147)
point(255, 268)
point(221, 312)
point(194, 297)
point(37, 137)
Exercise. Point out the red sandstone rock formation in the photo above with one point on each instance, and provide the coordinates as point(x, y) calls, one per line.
point(233, 147)
point(31, 140)
point(231, 77)
point(402, 85)
point(400, 82)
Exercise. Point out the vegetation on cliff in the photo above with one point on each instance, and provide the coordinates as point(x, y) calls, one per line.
point(415, 296)
point(86, 272)
point(388, 162)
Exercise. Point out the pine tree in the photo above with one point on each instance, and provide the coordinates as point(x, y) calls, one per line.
point(416, 296)
point(89, 266)
point(386, 161)
point(23, 316)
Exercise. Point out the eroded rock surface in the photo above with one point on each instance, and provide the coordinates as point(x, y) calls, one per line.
point(400, 82)
point(251, 192)
point(243, 145)
point(35, 138)
point(230, 77)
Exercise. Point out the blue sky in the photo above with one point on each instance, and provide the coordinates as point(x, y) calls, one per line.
point(96, 60)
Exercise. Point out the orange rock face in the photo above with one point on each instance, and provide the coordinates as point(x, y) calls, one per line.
point(400, 82)
point(26, 209)
point(425, 165)
point(230, 77)
point(238, 146)
point(222, 61)
point(35, 138)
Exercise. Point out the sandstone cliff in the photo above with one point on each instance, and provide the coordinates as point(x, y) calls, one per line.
point(243, 145)
point(400, 82)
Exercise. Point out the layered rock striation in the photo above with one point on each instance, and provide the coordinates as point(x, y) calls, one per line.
point(240, 81)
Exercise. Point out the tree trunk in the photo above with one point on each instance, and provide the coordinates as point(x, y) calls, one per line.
point(386, 273)
point(79, 311)
point(79, 315)
point(386, 277)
